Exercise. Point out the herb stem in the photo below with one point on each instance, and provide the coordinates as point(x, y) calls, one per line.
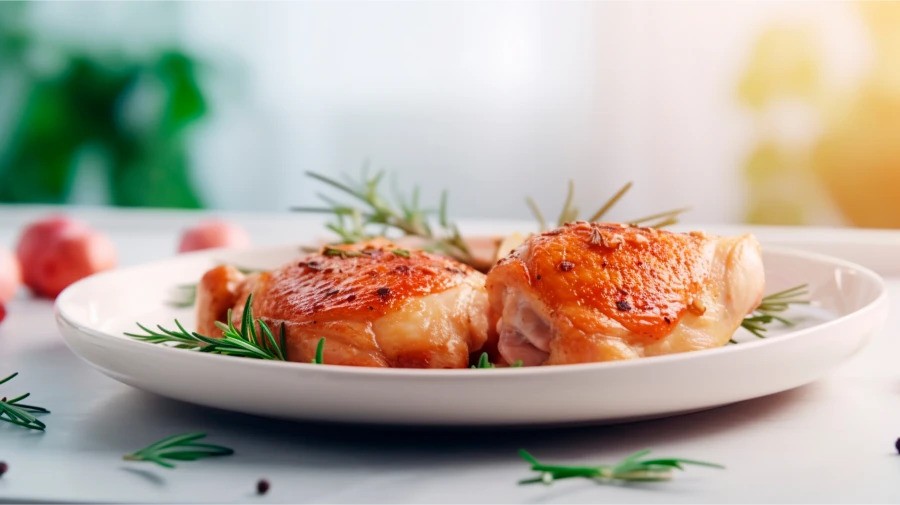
point(536, 211)
point(611, 202)
point(378, 215)
point(569, 212)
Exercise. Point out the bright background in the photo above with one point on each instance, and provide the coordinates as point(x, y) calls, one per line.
point(768, 112)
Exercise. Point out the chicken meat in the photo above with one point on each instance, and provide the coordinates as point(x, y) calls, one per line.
point(376, 305)
point(589, 292)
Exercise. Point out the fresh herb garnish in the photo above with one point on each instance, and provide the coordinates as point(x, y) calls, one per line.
point(178, 448)
point(484, 361)
point(320, 353)
point(349, 253)
point(772, 305)
point(343, 253)
point(630, 469)
point(244, 342)
point(15, 412)
point(185, 295)
point(377, 214)
point(570, 212)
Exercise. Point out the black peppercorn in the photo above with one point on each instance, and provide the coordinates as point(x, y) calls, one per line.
point(3, 468)
point(262, 487)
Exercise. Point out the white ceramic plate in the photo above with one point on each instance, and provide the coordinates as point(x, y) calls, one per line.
point(850, 304)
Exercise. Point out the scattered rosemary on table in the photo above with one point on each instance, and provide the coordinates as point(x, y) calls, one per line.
point(771, 306)
point(373, 215)
point(182, 447)
point(246, 341)
point(570, 212)
point(631, 469)
point(20, 414)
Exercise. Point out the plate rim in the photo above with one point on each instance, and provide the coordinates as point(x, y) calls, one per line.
point(880, 299)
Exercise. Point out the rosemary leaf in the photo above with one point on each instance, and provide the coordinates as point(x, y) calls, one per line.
point(772, 306)
point(183, 447)
point(536, 211)
point(570, 213)
point(320, 353)
point(484, 361)
point(630, 469)
point(610, 203)
point(20, 414)
point(374, 215)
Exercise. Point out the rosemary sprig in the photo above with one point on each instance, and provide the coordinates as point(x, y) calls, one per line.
point(372, 214)
point(178, 448)
point(771, 306)
point(630, 469)
point(20, 414)
point(570, 212)
point(246, 341)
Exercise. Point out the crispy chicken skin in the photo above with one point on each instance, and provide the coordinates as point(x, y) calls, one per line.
point(376, 305)
point(588, 292)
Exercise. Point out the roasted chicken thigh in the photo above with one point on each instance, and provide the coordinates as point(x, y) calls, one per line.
point(376, 305)
point(588, 292)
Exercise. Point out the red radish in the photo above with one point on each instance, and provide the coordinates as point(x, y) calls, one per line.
point(57, 251)
point(213, 233)
point(10, 275)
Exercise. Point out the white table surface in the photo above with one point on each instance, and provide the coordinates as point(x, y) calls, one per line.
point(830, 441)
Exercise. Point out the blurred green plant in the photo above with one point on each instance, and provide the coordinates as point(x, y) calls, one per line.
point(132, 113)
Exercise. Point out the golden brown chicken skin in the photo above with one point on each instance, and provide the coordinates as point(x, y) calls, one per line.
point(375, 304)
point(588, 292)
